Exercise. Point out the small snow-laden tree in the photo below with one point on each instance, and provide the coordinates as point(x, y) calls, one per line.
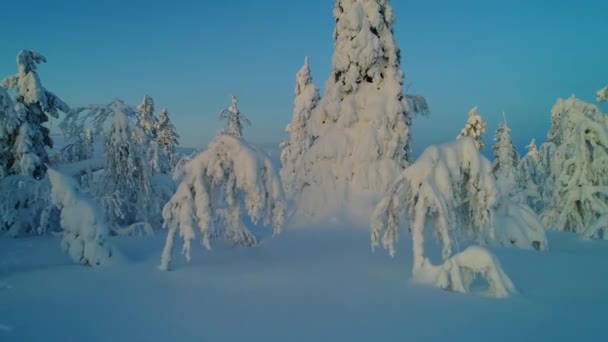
point(300, 137)
point(84, 231)
point(167, 138)
point(126, 173)
point(579, 169)
point(216, 187)
point(531, 178)
point(147, 121)
point(26, 207)
point(9, 125)
point(452, 188)
point(235, 119)
point(602, 94)
point(80, 148)
point(37, 103)
point(476, 126)
point(506, 160)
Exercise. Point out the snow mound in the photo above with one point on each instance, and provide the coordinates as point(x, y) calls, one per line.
point(216, 186)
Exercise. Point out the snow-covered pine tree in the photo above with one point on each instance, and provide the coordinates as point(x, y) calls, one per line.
point(300, 137)
point(506, 160)
point(147, 121)
point(362, 124)
point(167, 134)
point(531, 177)
point(9, 124)
point(84, 230)
point(476, 126)
point(451, 188)
point(127, 173)
point(602, 94)
point(216, 187)
point(37, 103)
point(80, 147)
point(235, 119)
point(579, 169)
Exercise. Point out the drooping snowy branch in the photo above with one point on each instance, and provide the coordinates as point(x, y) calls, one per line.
point(216, 186)
point(451, 187)
point(84, 230)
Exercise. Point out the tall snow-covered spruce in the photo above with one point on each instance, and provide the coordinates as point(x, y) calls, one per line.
point(37, 103)
point(475, 127)
point(167, 136)
point(361, 127)
point(506, 160)
point(531, 178)
point(84, 230)
point(300, 137)
point(451, 188)
point(217, 186)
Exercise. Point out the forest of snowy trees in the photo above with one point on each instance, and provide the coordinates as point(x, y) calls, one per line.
point(348, 154)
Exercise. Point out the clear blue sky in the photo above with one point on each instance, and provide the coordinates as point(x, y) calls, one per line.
point(519, 56)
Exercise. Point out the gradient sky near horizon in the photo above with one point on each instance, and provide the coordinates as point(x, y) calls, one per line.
point(516, 56)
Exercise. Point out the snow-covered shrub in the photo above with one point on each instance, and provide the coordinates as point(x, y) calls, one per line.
point(579, 169)
point(506, 160)
point(476, 126)
point(300, 137)
point(216, 186)
point(602, 94)
point(84, 230)
point(362, 124)
point(36, 103)
point(235, 119)
point(452, 187)
point(25, 206)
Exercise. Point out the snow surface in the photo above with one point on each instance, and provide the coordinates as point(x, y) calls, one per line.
point(285, 290)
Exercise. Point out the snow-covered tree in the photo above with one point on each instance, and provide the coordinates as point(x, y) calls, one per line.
point(126, 173)
point(147, 121)
point(95, 116)
point(216, 186)
point(80, 147)
point(37, 103)
point(167, 134)
point(602, 94)
point(506, 160)
point(579, 169)
point(235, 119)
point(476, 126)
point(300, 137)
point(531, 177)
point(84, 230)
point(362, 124)
point(9, 124)
point(451, 188)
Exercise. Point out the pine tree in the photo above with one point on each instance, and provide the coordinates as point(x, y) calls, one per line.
point(531, 177)
point(234, 118)
point(30, 155)
point(362, 124)
point(476, 126)
point(147, 120)
point(506, 160)
point(579, 169)
point(167, 134)
point(300, 138)
point(9, 124)
point(602, 94)
point(127, 173)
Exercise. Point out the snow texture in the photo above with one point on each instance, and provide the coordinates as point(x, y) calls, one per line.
point(452, 187)
point(300, 137)
point(216, 186)
point(84, 230)
point(476, 126)
point(361, 126)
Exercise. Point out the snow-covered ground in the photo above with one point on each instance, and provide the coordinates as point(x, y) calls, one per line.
point(304, 285)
